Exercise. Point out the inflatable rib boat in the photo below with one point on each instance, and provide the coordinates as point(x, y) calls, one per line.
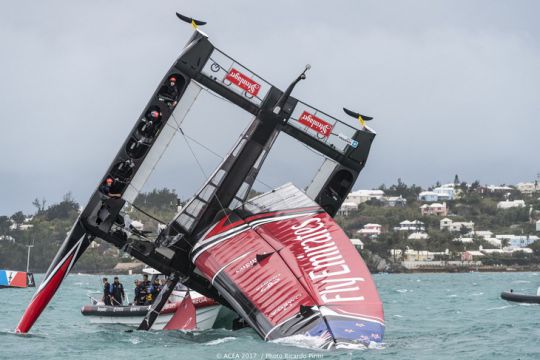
point(522, 298)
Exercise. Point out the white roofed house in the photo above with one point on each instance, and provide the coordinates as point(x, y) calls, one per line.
point(347, 208)
point(415, 226)
point(528, 188)
point(428, 196)
point(358, 243)
point(517, 241)
point(471, 255)
point(436, 209)
point(445, 193)
point(418, 236)
point(370, 230)
point(454, 226)
point(510, 204)
point(361, 196)
point(394, 201)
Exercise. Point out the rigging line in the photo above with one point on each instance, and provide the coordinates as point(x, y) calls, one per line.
point(147, 214)
point(196, 159)
point(216, 154)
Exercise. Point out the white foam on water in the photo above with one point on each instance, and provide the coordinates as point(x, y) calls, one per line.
point(500, 307)
point(303, 341)
point(477, 294)
point(402, 290)
point(220, 341)
point(521, 282)
point(134, 340)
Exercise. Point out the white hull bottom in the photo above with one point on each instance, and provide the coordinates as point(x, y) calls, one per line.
point(206, 317)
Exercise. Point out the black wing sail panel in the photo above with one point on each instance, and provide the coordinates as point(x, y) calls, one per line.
point(129, 170)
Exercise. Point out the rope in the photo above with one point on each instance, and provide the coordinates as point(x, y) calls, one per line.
point(147, 214)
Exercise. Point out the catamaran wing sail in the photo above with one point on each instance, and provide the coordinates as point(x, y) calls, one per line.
point(129, 171)
point(288, 269)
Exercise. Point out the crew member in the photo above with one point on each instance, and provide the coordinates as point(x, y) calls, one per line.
point(117, 292)
point(106, 188)
point(106, 292)
point(140, 293)
point(146, 282)
point(149, 127)
point(156, 288)
point(169, 92)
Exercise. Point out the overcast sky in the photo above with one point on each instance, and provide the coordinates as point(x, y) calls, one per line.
point(453, 87)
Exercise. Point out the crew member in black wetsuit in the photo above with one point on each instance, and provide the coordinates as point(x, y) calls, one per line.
point(105, 189)
point(169, 92)
point(142, 293)
point(150, 125)
point(156, 288)
point(118, 294)
point(137, 293)
point(106, 292)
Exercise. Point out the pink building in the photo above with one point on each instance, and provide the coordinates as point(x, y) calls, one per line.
point(434, 209)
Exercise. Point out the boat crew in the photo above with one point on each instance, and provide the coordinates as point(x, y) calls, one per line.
point(106, 292)
point(169, 92)
point(105, 190)
point(117, 292)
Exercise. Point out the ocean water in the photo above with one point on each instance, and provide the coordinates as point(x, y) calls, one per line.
point(428, 316)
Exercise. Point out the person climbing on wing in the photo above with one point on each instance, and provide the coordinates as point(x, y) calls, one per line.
point(106, 292)
point(106, 188)
point(106, 194)
point(151, 124)
point(118, 294)
point(169, 92)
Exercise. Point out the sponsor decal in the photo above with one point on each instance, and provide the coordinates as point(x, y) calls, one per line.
point(245, 266)
point(242, 81)
point(348, 140)
point(287, 304)
point(268, 283)
point(327, 265)
point(315, 123)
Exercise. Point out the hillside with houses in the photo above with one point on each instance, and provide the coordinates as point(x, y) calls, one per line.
point(456, 226)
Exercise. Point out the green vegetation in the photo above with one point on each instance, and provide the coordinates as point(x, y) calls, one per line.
point(473, 203)
point(50, 225)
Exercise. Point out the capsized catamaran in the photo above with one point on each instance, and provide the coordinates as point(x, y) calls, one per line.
point(279, 260)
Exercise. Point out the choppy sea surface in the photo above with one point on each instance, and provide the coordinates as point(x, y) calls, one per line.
point(428, 316)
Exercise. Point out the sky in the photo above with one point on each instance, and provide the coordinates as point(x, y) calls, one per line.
point(453, 87)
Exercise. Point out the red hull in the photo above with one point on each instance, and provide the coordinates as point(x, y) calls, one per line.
point(293, 272)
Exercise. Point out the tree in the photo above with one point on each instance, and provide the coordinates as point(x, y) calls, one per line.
point(62, 210)
point(40, 205)
point(18, 218)
point(456, 180)
point(4, 225)
point(464, 230)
